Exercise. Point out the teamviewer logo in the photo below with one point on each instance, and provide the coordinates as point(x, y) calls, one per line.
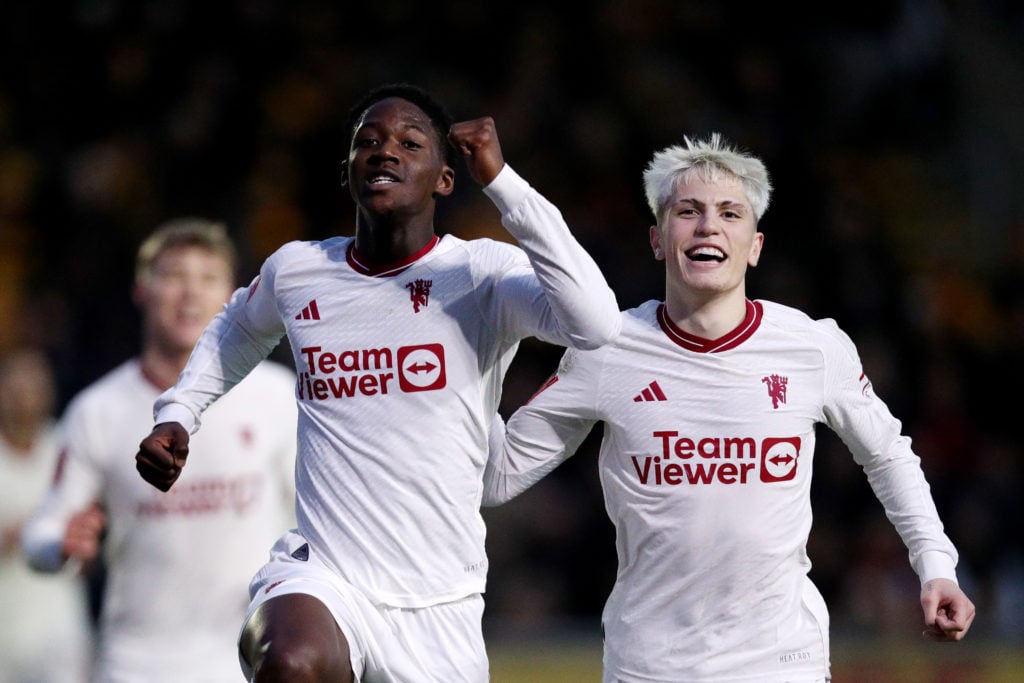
point(779, 458)
point(421, 368)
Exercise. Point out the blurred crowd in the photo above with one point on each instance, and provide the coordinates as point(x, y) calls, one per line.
point(891, 130)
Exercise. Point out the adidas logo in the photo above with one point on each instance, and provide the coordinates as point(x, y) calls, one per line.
point(652, 393)
point(310, 312)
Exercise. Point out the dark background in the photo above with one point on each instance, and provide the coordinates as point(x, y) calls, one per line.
point(893, 132)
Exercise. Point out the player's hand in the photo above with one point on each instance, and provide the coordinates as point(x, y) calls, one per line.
point(162, 454)
point(477, 141)
point(948, 612)
point(82, 534)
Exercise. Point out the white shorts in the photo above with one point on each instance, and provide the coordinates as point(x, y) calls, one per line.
point(387, 644)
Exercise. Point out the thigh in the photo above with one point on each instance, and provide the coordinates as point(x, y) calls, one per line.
point(294, 632)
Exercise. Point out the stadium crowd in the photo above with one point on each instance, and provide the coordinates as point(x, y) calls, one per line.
point(892, 130)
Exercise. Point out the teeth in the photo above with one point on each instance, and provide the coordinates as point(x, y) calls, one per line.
point(711, 252)
point(376, 180)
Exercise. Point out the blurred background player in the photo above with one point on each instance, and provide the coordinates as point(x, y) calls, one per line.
point(710, 402)
point(46, 629)
point(177, 564)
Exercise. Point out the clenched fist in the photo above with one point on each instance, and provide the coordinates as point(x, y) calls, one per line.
point(162, 454)
point(477, 141)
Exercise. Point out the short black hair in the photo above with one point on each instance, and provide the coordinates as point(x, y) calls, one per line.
point(439, 116)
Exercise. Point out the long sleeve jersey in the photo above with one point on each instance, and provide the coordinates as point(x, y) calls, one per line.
point(705, 465)
point(178, 563)
point(399, 377)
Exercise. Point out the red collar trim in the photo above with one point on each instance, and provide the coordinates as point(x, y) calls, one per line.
point(691, 342)
point(361, 265)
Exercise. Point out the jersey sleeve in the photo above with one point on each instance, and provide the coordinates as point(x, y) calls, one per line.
point(77, 482)
point(874, 436)
point(563, 298)
point(544, 432)
point(238, 338)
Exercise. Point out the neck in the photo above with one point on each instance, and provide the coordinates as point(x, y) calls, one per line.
point(161, 368)
point(20, 435)
point(708, 318)
point(386, 239)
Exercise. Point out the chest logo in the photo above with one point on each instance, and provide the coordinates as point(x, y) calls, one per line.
point(776, 389)
point(419, 293)
point(652, 392)
point(309, 312)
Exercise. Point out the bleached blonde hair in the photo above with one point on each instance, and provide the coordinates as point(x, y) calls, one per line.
point(710, 160)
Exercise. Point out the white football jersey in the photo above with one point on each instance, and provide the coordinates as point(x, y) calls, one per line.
point(46, 631)
point(706, 465)
point(399, 376)
point(178, 563)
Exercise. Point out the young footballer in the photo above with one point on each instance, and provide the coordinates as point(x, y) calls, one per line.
point(401, 339)
point(710, 401)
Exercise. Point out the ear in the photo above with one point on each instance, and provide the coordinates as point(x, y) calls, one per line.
point(755, 249)
point(655, 237)
point(445, 182)
point(344, 173)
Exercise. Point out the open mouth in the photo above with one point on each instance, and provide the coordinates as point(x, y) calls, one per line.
point(381, 178)
point(706, 254)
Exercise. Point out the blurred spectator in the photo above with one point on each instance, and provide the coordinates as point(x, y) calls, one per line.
point(46, 630)
point(178, 564)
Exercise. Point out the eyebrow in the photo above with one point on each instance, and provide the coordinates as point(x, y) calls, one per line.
point(725, 203)
point(404, 126)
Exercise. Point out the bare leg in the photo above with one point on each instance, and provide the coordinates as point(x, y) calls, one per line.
point(293, 638)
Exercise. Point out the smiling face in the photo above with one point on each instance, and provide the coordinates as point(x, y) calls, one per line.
point(707, 234)
point(396, 164)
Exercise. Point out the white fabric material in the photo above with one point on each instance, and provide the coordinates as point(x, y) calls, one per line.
point(441, 643)
point(399, 378)
point(179, 562)
point(706, 468)
point(46, 630)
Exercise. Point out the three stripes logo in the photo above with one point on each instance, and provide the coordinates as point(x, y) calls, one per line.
point(310, 312)
point(653, 392)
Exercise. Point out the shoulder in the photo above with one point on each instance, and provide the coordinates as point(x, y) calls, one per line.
point(485, 258)
point(124, 382)
point(824, 333)
point(309, 251)
point(644, 315)
point(116, 395)
point(480, 248)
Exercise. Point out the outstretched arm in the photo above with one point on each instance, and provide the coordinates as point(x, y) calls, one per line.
point(948, 612)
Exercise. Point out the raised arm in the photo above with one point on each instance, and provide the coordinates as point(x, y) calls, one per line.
point(575, 305)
